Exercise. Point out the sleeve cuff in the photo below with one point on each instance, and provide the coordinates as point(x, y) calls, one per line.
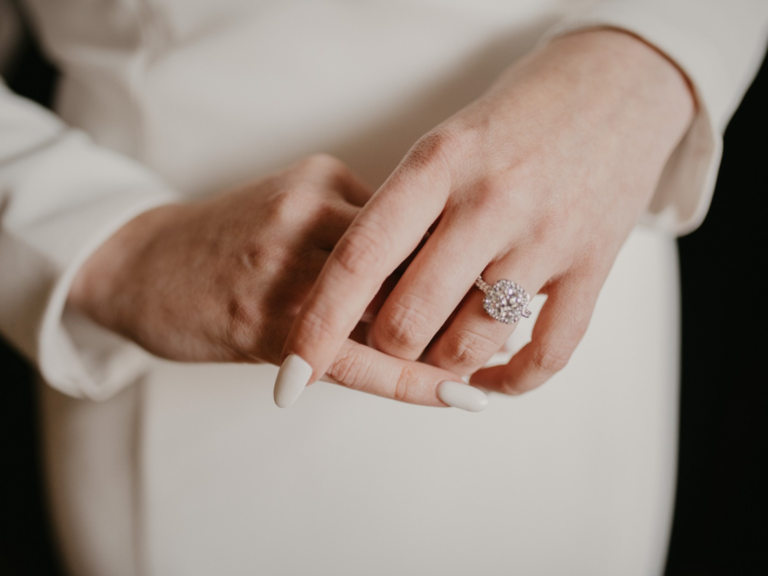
point(76, 355)
point(68, 199)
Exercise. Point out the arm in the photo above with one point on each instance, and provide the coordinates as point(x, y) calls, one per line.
point(541, 181)
point(221, 280)
point(97, 255)
point(61, 196)
point(718, 45)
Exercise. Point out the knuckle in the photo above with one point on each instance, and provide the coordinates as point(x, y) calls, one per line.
point(492, 188)
point(348, 369)
point(407, 381)
point(326, 166)
point(324, 212)
point(466, 348)
point(361, 251)
point(315, 327)
point(552, 356)
point(406, 326)
point(291, 203)
point(324, 163)
point(327, 171)
point(492, 195)
point(437, 147)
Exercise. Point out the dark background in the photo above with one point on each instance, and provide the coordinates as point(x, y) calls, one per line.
point(720, 510)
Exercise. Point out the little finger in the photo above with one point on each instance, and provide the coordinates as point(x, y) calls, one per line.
point(559, 328)
point(490, 313)
point(432, 286)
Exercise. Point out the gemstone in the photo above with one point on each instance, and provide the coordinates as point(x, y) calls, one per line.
point(506, 302)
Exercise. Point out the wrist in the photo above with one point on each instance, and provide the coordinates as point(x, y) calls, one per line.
point(100, 286)
point(653, 93)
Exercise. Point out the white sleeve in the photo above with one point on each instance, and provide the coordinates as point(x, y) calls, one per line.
point(719, 45)
point(61, 196)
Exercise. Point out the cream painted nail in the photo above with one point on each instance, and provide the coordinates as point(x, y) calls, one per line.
point(291, 380)
point(464, 396)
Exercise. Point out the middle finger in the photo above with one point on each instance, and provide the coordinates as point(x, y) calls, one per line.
point(473, 336)
point(433, 285)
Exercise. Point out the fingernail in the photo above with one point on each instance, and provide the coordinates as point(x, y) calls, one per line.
point(462, 396)
point(291, 380)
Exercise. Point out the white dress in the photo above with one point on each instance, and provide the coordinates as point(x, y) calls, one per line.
point(164, 469)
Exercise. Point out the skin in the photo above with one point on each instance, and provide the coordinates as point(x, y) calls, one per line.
point(540, 181)
point(222, 280)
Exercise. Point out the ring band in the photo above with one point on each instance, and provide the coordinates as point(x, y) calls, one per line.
point(505, 301)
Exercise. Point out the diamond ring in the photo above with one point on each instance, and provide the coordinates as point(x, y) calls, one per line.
point(505, 301)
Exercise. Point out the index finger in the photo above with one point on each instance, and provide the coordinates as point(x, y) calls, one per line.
point(384, 234)
point(362, 368)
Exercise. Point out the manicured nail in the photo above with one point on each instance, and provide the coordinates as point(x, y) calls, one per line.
point(291, 380)
point(460, 395)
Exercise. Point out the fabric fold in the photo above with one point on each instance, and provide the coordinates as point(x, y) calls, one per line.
point(61, 197)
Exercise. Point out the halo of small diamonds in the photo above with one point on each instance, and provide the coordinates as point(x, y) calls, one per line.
point(505, 301)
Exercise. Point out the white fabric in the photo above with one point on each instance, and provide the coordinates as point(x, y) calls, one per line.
point(180, 98)
point(61, 196)
point(136, 72)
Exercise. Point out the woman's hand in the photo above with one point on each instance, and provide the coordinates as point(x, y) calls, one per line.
point(222, 280)
point(539, 181)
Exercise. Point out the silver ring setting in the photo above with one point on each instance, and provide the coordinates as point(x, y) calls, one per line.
point(505, 301)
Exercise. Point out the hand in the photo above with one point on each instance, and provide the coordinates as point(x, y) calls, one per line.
point(222, 280)
point(539, 181)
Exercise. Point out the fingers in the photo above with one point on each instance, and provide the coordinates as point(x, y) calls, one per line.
point(331, 222)
point(385, 232)
point(432, 287)
point(334, 195)
point(353, 189)
point(559, 329)
point(258, 316)
point(330, 174)
point(313, 201)
point(361, 368)
point(473, 336)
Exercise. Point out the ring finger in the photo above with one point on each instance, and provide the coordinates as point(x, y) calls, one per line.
point(431, 288)
point(473, 335)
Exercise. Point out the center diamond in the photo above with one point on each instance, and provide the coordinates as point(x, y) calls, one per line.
point(506, 302)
